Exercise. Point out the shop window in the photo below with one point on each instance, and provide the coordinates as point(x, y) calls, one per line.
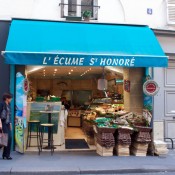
point(171, 11)
point(75, 8)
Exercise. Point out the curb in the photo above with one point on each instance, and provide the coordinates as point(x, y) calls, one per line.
point(86, 172)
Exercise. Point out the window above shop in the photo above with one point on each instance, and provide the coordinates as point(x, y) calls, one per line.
point(75, 8)
point(171, 11)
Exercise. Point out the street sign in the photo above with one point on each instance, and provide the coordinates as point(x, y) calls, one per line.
point(150, 88)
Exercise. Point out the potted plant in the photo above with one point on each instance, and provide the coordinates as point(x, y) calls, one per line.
point(86, 15)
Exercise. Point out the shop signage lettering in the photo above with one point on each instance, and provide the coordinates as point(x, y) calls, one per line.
point(81, 61)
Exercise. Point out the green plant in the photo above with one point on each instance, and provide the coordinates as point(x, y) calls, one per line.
point(87, 14)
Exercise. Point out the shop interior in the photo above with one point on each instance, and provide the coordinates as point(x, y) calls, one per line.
point(82, 87)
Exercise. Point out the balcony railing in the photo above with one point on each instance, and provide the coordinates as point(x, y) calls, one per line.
point(77, 12)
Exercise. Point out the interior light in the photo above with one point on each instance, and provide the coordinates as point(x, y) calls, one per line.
point(55, 69)
point(69, 73)
point(72, 70)
point(44, 70)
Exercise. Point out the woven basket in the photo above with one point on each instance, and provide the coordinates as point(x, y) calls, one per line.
point(143, 129)
point(125, 130)
point(106, 130)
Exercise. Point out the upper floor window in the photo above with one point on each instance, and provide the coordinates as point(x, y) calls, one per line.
point(171, 11)
point(75, 8)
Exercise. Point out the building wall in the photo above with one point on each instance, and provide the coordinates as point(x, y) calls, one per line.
point(164, 103)
point(114, 11)
point(4, 68)
point(133, 100)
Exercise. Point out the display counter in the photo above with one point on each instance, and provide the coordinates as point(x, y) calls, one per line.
point(34, 113)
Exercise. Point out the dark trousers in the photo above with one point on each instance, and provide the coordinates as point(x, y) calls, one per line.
point(6, 129)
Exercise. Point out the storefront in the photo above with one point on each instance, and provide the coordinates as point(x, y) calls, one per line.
point(100, 68)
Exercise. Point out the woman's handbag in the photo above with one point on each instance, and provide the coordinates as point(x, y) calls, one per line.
point(3, 138)
point(3, 114)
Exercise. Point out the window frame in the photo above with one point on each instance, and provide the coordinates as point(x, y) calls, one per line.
point(65, 13)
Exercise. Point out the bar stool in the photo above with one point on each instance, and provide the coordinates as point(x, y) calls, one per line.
point(32, 124)
point(50, 141)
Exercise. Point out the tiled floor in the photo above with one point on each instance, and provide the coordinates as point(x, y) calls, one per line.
point(71, 133)
point(74, 133)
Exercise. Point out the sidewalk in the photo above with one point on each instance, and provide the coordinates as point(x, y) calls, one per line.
point(74, 163)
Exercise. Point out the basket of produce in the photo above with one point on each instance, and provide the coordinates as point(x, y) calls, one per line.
point(101, 128)
point(105, 125)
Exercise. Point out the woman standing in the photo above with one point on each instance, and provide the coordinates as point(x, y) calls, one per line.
point(5, 123)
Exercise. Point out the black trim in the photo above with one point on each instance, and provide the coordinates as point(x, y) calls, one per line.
point(83, 22)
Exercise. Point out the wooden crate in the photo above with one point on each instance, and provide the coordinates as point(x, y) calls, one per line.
point(122, 150)
point(91, 140)
point(139, 149)
point(102, 151)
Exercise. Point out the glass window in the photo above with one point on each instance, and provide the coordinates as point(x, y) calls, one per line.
point(72, 6)
point(87, 5)
point(75, 8)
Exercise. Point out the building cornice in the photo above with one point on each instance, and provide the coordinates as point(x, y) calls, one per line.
point(164, 32)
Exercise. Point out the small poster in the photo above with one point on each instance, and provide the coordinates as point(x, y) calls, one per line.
point(20, 116)
point(127, 85)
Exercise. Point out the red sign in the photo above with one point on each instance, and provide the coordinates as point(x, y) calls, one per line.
point(127, 85)
point(26, 85)
point(150, 88)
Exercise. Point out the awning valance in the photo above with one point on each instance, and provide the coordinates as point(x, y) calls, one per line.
point(33, 42)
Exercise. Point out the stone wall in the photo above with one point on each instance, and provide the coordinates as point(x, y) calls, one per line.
point(133, 100)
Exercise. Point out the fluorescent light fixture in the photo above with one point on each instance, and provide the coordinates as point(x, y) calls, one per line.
point(31, 69)
point(115, 69)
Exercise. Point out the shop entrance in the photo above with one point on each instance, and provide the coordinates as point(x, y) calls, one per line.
point(80, 88)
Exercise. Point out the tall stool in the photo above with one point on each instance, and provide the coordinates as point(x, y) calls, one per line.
point(49, 141)
point(32, 124)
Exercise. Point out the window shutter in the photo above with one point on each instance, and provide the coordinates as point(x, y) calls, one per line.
point(171, 11)
point(95, 9)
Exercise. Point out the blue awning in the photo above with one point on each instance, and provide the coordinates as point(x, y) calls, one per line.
point(34, 42)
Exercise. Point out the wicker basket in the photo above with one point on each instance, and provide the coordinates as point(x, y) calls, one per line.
point(105, 130)
point(143, 129)
point(125, 130)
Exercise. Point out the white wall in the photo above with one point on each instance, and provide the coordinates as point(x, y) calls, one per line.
point(167, 43)
point(159, 107)
point(134, 12)
point(115, 11)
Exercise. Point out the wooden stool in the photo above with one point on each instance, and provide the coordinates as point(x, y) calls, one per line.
point(50, 141)
point(32, 124)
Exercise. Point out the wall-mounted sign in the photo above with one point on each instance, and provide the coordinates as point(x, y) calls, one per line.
point(48, 59)
point(127, 85)
point(26, 86)
point(150, 88)
point(119, 81)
